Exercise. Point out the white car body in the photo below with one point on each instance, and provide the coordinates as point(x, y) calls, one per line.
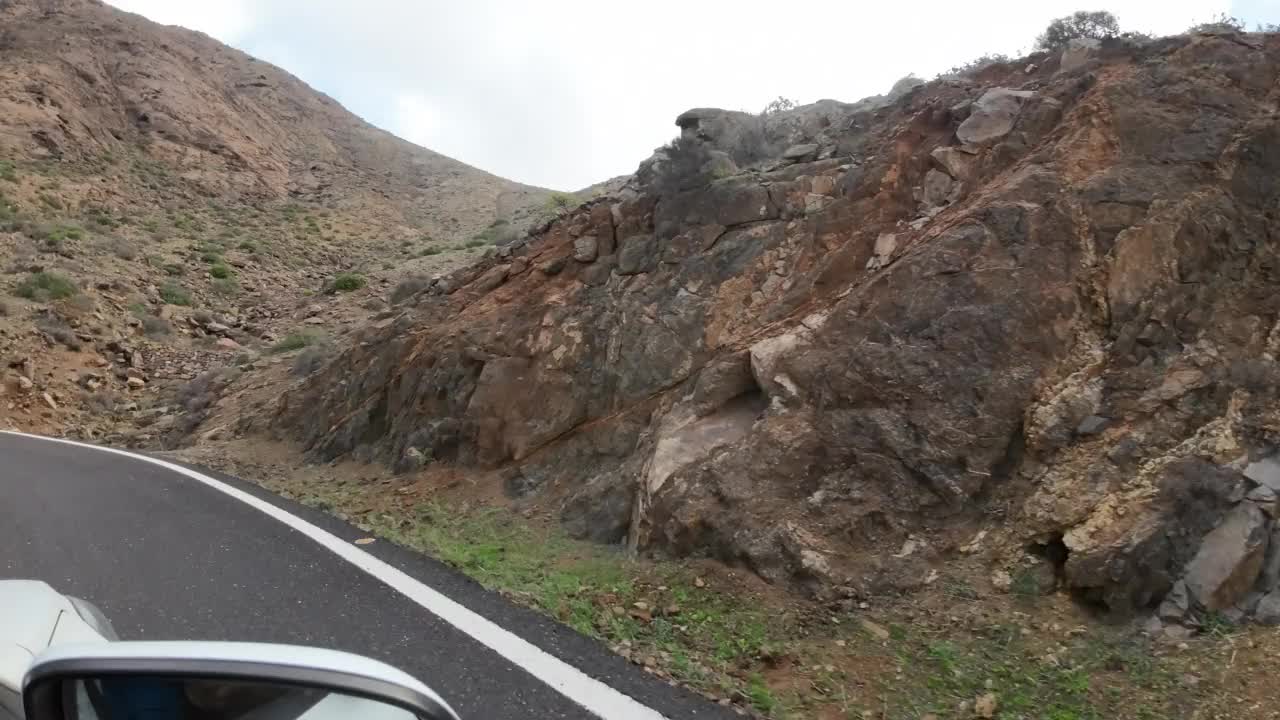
point(33, 618)
point(37, 621)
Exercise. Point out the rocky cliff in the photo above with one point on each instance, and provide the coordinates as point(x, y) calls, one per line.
point(1031, 309)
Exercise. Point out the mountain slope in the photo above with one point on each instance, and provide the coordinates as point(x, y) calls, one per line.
point(168, 204)
point(80, 80)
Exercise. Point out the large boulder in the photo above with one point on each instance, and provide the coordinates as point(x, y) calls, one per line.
point(992, 116)
point(1229, 559)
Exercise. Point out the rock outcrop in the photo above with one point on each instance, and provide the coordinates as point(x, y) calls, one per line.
point(1041, 304)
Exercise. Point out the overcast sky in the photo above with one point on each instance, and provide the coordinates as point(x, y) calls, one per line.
point(564, 94)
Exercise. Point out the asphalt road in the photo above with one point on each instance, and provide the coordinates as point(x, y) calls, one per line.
point(169, 558)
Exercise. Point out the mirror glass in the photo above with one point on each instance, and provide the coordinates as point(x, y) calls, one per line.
point(158, 697)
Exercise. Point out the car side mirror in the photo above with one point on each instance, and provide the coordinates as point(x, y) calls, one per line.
point(220, 681)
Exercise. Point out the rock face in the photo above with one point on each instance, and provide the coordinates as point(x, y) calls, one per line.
point(992, 116)
point(800, 366)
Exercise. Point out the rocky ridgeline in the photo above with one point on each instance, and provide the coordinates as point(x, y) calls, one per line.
point(1027, 315)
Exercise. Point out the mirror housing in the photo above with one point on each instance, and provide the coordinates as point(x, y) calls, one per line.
point(45, 687)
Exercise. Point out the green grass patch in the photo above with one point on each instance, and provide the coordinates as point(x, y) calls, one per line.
point(45, 286)
point(430, 250)
point(226, 287)
point(656, 610)
point(558, 201)
point(347, 282)
point(58, 233)
point(188, 223)
point(8, 172)
point(1087, 678)
point(220, 271)
point(175, 294)
point(297, 340)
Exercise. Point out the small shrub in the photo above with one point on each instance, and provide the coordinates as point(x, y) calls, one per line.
point(976, 65)
point(58, 233)
point(102, 218)
point(226, 287)
point(1221, 23)
point(248, 246)
point(426, 251)
point(174, 270)
point(123, 249)
point(296, 341)
point(475, 242)
point(347, 282)
point(45, 286)
point(60, 332)
point(1098, 24)
point(212, 257)
point(220, 271)
point(155, 326)
point(409, 287)
point(204, 390)
point(310, 360)
point(774, 107)
point(175, 294)
point(8, 172)
point(559, 201)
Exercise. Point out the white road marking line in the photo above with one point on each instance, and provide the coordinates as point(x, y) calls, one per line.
point(597, 697)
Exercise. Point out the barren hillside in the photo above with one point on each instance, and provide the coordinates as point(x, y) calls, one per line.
point(161, 193)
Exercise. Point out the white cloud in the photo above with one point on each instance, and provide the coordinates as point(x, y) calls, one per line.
point(565, 93)
point(416, 120)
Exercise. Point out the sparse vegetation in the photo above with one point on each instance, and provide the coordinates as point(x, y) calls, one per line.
point(559, 201)
point(1098, 24)
point(346, 282)
point(1222, 22)
point(226, 287)
point(781, 104)
point(123, 249)
point(54, 236)
point(409, 287)
point(58, 331)
point(8, 172)
point(45, 287)
point(976, 65)
point(430, 250)
point(155, 326)
point(175, 294)
point(310, 360)
point(499, 232)
point(297, 340)
point(220, 271)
